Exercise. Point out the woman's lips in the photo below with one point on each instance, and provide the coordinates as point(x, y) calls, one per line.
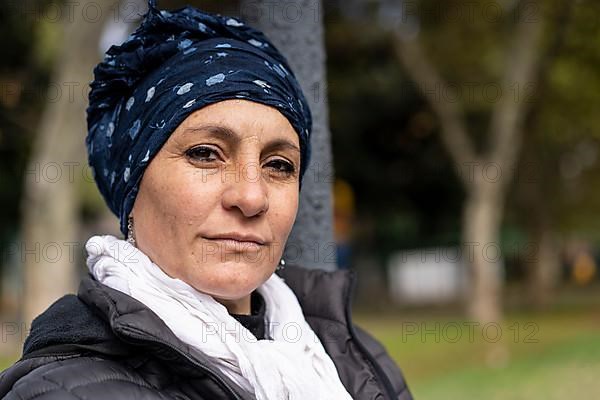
point(236, 245)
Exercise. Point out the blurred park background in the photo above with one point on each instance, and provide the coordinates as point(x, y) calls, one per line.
point(465, 141)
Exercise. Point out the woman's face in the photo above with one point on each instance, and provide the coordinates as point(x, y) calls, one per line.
point(218, 201)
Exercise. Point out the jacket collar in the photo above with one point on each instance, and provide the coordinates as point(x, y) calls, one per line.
point(322, 294)
point(134, 323)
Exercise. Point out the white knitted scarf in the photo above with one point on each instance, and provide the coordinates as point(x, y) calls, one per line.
point(294, 365)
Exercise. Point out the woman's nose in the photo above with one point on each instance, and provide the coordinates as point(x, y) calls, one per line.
point(246, 190)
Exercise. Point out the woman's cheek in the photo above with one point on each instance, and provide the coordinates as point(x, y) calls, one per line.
point(196, 192)
point(284, 214)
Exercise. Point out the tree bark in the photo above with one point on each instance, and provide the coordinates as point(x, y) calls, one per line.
point(545, 273)
point(481, 225)
point(50, 205)
point(296, 29)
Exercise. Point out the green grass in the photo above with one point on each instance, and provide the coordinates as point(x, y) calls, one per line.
point(555, 356)
point(6, 361)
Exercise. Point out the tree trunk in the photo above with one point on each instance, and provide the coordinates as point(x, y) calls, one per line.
point(481, 224)
point(50, 245)
point(296, 28)
point(544, 272)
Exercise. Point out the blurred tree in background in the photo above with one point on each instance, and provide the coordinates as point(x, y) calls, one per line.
point(29, 46)
point(470, 53)
point(498, 146)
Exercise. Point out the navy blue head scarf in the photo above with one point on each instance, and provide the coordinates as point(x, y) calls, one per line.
point(175, 63)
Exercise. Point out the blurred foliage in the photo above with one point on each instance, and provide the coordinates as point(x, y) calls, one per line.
point(386, 141)
point(567, 130)
point(29, 45)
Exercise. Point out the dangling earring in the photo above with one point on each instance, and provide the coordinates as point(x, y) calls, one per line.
point(130, 234)
point(281, 265)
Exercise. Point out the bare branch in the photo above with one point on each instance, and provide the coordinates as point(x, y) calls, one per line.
point(508, 116)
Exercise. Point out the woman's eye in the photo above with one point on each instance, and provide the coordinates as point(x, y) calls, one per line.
point(282, 167)
point(202, 153)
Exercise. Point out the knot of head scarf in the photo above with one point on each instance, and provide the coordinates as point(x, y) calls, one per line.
point(175, 63)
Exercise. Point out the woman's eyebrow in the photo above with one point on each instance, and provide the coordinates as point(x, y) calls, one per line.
point(229, 135)
point(222, 132)
point(277, 144)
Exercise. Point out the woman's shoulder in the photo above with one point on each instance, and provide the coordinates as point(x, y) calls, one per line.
point(67, 320)
point(71, 353)
point(88, 357)
point(326, 300)
point(73, 377)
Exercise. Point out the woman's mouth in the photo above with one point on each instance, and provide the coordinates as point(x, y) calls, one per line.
point(237, 245)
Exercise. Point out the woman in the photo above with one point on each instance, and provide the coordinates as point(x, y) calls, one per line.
point(198, 136)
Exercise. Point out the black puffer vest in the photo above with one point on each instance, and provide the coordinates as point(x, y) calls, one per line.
point(104, 344)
